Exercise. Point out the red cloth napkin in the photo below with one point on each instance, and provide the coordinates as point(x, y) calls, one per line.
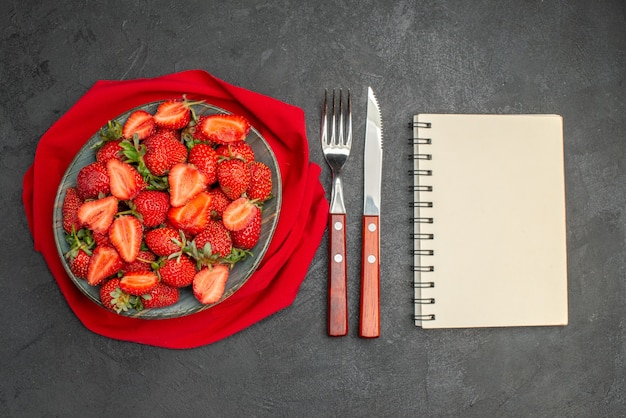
point(299, 230)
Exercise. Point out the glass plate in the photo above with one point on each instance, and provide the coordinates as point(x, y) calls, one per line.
point(240, 272)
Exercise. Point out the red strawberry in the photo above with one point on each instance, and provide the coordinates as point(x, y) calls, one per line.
point(92, 181)
point(97, 215)
point(178, 271)
point(209, 283)
point(222, 128)
point(248, 237)
point(219, 202)
point(204, 157)
point(126, 234)
point(138, 282)
point(71, 203)
point(172, 114)
point(163, 152)
point(152, 206)
point(185, 182)
point(126, 182)
point(239, 149)
point(169, 133)
point(160, 296)
point(142, 262)
point(109, 150)
point(161, 241)
point(239, 213)
point(233, 177)
point(260, 187)
point(192, 217)
point(140, 123)
point(102, 238)
point(217, 237)
point(104, 262)
point(114, 298)
point(80, 264)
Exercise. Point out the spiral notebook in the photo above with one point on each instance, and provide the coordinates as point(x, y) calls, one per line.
point(489, 221)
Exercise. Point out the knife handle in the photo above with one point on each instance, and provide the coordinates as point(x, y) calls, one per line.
point(337, 276)
point(370, 279)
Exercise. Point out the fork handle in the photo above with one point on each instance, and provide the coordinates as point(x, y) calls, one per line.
point(370, 279)
point(337, 276)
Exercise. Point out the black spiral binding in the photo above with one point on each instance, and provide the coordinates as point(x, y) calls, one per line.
point(415, 172)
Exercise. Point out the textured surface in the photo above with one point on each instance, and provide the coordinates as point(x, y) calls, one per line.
point(447, 56)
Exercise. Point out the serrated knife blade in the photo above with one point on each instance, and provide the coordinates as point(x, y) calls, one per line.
point(370, 260)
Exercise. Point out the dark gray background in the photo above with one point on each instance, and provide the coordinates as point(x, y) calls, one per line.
point(565, 57)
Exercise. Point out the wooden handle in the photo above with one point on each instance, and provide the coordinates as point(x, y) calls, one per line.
point(337, 276)
point(370, 279)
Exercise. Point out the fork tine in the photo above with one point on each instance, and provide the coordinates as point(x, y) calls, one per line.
point(333, 127)
point(324, 127)
point(341, 119)
point(349, 122)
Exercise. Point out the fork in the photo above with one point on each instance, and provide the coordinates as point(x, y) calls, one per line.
point(336, 149)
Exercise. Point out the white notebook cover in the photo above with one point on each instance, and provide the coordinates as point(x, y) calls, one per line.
point(498, 221)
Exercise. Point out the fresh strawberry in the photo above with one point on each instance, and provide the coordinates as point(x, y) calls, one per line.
point(172, 114)
point(152, 206)
point(239, 149)
point(125, 234)
point(193, 133)
point(140, 123)
point(218, 203)
point(109, 150)
point(163, 152)
point(143, 262)
point(97, 215)
point(178, 271)
point(104, 262)
point(92, 181)
point(160, 296)
point(185, 182)
point(192, 217)
point(102, 238)
point(174, 134)
point(162, 241)
point(126, 182)
point(248, 237)
point(71, 203)
point(233, 177)
point(223, 128)
point(217, 237)
point(260, 187)
point(209, 283)
point(204, 157)
point(239, 213)
point(138, 282)
point(114, 298)
point(80, 264)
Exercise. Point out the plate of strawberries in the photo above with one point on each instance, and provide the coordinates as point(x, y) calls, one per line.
point(168, 209)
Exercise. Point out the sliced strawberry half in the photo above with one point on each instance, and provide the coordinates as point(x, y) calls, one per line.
point(98, 215)
point(125, 180)
point(194, 216)
point(105, 262)
point(125, 234)
point(140, 123)
point(138, 282)
point(209, 283)
point(239, 213)
point(185, 183)
point(172, 114)
point(225, 128)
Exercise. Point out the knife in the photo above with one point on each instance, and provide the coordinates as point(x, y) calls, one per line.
point(370, 260)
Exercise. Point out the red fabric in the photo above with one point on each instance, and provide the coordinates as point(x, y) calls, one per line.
point(299, 230)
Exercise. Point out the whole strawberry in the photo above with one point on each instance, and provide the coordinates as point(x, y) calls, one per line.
point(143, 262)
point(204, 157)
point(92, 181)
point(162, 241)
point(219, 202)
point(260, 187)
point(109, 150)
point(71, 203)
point(239, 149)
point(162, 153)
point(178, 271)
point(113, 298)
point(216, 237)
point(152, 206)
point(160, 296)
point(233, 177)
point(248, 237)
point(80, 264)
